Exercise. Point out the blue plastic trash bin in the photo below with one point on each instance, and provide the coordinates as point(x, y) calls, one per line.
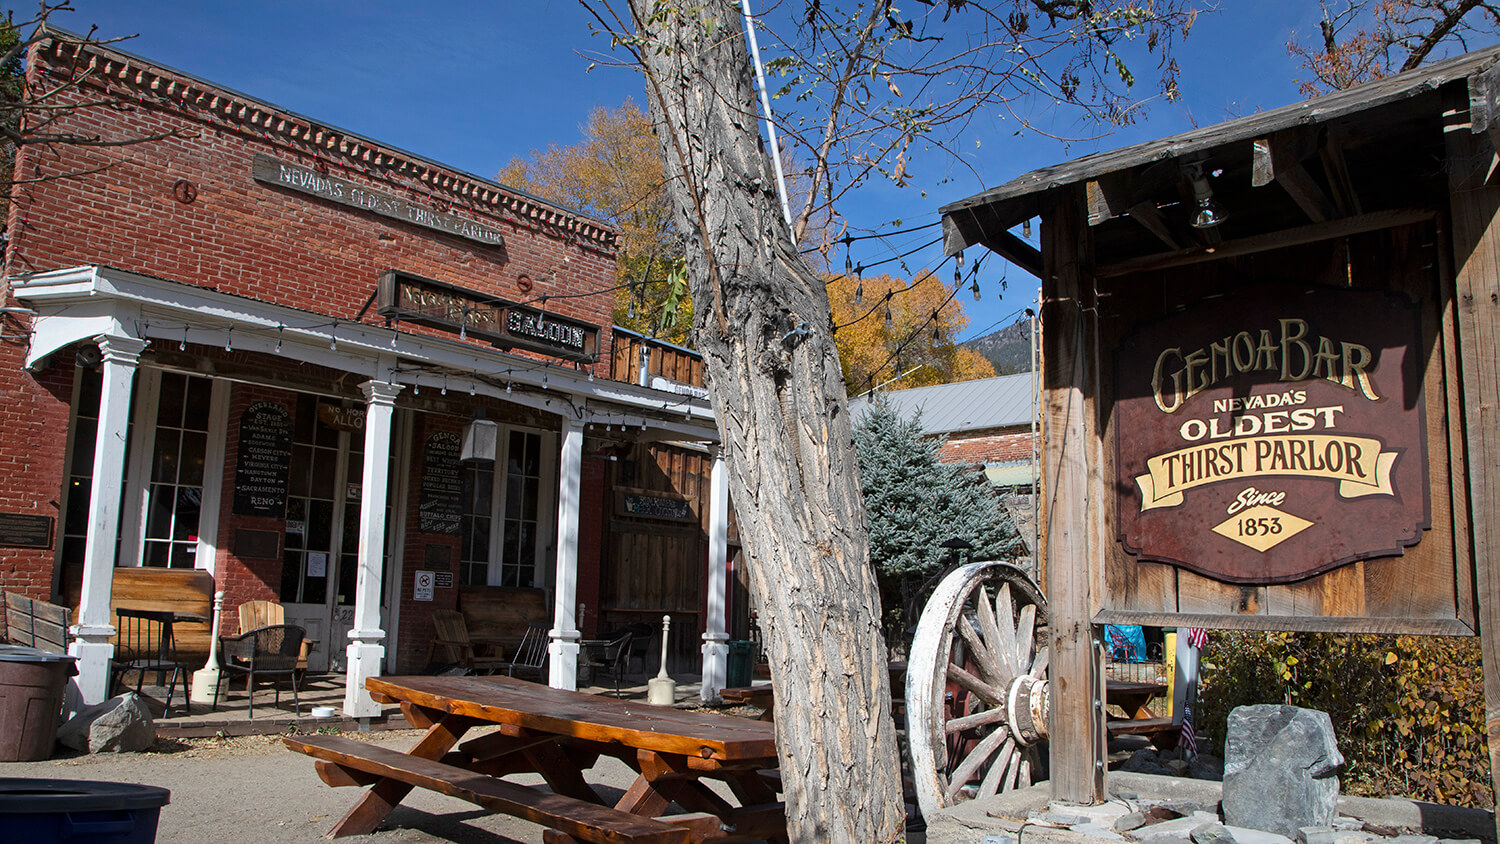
point(42, 811)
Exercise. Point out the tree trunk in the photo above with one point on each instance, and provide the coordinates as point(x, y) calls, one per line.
point(762, 323)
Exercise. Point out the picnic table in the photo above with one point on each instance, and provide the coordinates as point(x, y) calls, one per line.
point(560, 735)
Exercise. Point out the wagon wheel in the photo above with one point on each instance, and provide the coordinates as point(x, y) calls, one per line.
point(976, 687)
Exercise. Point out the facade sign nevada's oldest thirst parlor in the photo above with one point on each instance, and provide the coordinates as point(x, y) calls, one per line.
point(469, 313)
point(1272, 434)
point(344, 192)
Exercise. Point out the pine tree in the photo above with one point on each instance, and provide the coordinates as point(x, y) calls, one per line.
point(914, 503)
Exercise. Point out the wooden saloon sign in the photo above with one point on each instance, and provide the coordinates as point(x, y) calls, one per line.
point(469, 313)
point(1269, 378)
point(1273, 433)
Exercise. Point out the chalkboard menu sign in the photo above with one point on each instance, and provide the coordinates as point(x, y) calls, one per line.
point(265, 457)
point(441, 485)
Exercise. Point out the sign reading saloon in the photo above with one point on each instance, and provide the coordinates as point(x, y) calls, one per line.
point(506, 324)
point(1273, 434)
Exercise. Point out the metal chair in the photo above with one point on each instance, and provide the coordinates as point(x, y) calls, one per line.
point(613, 658)
point(144, 644)
point(265, 651)
point(531, 654)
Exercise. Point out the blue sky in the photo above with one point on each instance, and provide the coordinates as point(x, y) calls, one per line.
point(472, 84)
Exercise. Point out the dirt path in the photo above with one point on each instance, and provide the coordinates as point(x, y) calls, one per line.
point(254, 789)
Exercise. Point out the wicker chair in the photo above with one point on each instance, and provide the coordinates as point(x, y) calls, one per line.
point(267, 651)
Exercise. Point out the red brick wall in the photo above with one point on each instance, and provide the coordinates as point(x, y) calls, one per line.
point(245, 238)
point(990, 446)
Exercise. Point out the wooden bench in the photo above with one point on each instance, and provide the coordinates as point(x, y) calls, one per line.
point(182, 591)
point(501, 614)
point(349, 762)
point(36, 624)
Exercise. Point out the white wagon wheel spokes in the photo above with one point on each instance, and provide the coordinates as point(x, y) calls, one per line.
point(976, 689)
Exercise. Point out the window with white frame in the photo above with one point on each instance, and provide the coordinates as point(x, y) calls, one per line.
point(512, 493)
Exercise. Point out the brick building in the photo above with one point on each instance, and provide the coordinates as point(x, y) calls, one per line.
point(219, 346)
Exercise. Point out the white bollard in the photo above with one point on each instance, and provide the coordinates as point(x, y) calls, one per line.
point(206, 679)
point(661, 690)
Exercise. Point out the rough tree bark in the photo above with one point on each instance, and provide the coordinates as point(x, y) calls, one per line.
point(762, 323)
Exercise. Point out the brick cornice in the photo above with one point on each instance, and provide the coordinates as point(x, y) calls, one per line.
point(64, 54)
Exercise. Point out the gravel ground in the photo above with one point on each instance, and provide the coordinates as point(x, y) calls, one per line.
point(252, 788)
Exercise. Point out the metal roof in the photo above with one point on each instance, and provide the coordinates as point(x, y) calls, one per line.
point(1001, 402)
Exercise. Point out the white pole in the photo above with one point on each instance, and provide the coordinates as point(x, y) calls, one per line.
point(206, 679)
point(765, 107)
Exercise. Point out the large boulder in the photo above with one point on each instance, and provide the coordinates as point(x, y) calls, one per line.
point(1280, 769)
point(119, 725)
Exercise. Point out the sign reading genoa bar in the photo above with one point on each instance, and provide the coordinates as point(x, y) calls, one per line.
point(505, 324)
point(1269, 435)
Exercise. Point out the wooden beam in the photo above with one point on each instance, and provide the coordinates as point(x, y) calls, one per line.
point(1015, 250)
point(1264, 242)
point(1345, 198)
point(1474, 204)
point(1484, 109)
point(1279, 158)
point(1073, 510)
point(1150, 217)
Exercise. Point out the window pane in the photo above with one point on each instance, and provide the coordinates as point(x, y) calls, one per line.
point(348, 574)
point(194, 445)
point(324, 470)
point(90, 382)
point(156, 554)
point(189, 503)
point(164, 459)
point(169, 405)
point(307, 418)
point(320, 525)
point(326, 436)
point(83, 448)
point(77, 519)
point(159, 512)
point(299, 475)
point(513, 495)
point(530, 490)
point(199, 395)
point(183, 555)
point(291, 575)
point(533, 462)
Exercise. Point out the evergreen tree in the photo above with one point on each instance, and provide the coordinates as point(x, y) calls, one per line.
point(914, 503)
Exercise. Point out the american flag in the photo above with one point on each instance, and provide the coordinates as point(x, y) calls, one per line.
point(1197, 637)
point(1188, 741)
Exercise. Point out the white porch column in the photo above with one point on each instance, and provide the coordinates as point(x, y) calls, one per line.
point(365, 651)
point(91, 635)
point(563, 662)
point(715, 649)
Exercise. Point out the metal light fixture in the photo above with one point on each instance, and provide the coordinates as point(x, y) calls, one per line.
point(480, 439)
point(1208, 213)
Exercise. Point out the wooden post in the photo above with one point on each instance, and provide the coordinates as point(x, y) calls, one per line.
point(1475, 206)
point(1071, 463)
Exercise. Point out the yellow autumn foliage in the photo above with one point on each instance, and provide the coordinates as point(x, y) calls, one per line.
point(921, 336)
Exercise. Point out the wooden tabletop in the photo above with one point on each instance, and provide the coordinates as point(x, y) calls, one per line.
point(506, 700)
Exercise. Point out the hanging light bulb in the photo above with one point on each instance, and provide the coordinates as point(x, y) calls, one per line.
point(333, 338)
point(445, 383)
point(463, 324)
point(974, 288)
point(279, 330)
point(1026, 228)
point(182, 346)
point(958, 272)
point(848, 259)
point(416, 388)
point(471, 389)
point(887, 316)
point(630, 308)
point(937, 331)
point(229, 340)
point(859, 293)
point(507, 388)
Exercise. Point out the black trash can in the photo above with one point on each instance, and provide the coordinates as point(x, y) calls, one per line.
point(31, 692)
point(40, 811)
point(737, 673)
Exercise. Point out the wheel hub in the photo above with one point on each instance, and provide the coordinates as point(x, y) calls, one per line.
point(1026, 710)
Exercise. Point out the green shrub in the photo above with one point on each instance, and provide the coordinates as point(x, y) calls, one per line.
point(1408, 710)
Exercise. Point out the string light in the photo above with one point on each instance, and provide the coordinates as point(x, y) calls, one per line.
point(507, 388)
point(445, 383)
point(974, 288)
point(333, 338)
point(229, 340)
point(182, 346)
point(859, 287)
point(279, 330)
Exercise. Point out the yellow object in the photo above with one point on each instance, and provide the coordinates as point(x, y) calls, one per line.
point(1170, 659)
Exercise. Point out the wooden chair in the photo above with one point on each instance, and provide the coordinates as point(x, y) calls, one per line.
point(257, 614)
point(452, 637)
point(265, 651)
point(144, 644)
point(531, 655)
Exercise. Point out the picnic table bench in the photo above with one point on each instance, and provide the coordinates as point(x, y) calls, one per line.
point(560, 735)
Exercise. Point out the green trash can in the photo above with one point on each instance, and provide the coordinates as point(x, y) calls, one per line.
point(741, 653)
